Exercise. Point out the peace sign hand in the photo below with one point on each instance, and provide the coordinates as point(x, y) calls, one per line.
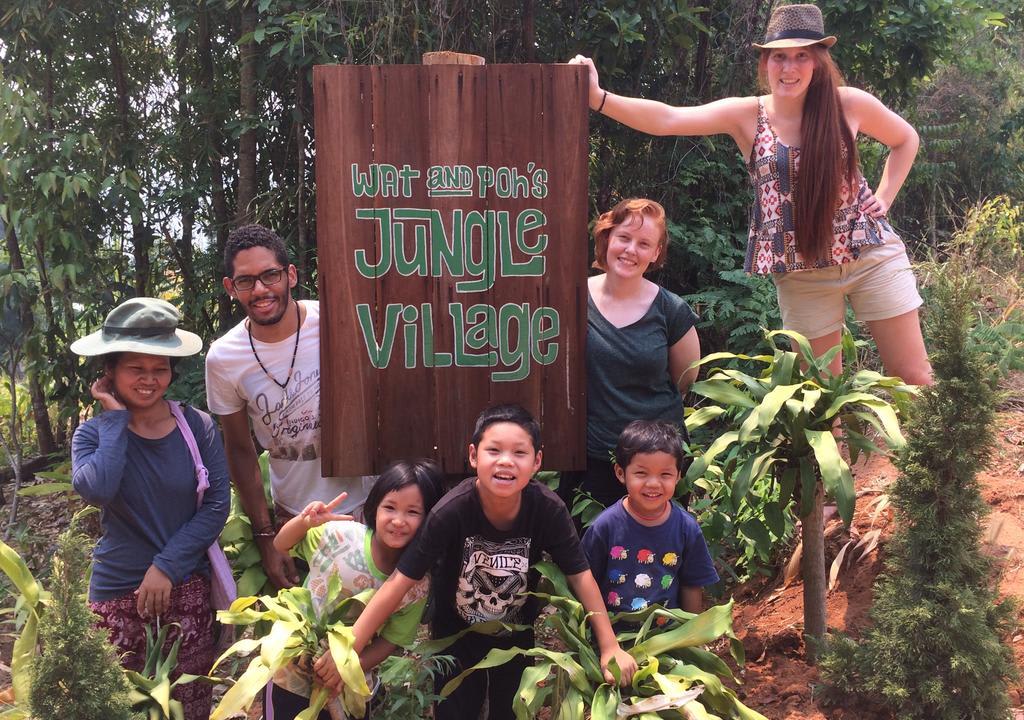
point(317, 513)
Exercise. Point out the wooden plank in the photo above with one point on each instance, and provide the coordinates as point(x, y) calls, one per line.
point(514, 139)
point(342, 115)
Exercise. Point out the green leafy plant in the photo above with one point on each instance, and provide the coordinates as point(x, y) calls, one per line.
point(239, 546)
point(151, 689)
point(28, 611)
point(408, 684)
point(780, 423)
point(297, 633)
point(677, 677)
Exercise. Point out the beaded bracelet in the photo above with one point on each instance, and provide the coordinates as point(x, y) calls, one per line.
point(603, 98)
point(263, 532)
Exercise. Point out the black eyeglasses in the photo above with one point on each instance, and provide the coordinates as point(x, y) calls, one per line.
point(267, 277)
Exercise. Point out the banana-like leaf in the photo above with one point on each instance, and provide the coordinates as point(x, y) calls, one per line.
point(752, 469)
point(500, 656)
point(15, 713)
point(572, 707)
point(758, 388)
point(252, 580)
point(703, 416)
point(605, 702)
point(835, 473)
point(719, 445)
point(240, 695)
point(709, 625)
point(802, 344)
point(703, 659)
point(340, 641)
point(730, 356)
point(22, 654)
point(284, 635)
point(782, 368)
point(491, 627)
point(584, 651)
point(811, 395)
point(758, 421)
point(242, 647)
point(890, 424)
point(554, 575)
point(15, 568)
point(317, 700)
point(534, 689)
point(723, 392)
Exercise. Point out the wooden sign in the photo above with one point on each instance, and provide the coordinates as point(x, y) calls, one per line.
point(452, 250)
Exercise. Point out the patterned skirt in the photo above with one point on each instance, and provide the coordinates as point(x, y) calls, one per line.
point(190, 609)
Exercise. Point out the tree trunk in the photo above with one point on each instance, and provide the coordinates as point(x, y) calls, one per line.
point(700, 70)
point(218, 197)
point(183, 245)
point(40, 414)
point(529, 34)
point(247, 105)
point(300, 181)
point(812, 566)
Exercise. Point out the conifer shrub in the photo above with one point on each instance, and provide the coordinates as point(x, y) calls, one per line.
point(934, 651)
point(77, 674)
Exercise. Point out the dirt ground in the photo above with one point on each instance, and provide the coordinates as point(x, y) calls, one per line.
point(769, 615)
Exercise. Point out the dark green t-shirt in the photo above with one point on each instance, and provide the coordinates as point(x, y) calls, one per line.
point(627, 370)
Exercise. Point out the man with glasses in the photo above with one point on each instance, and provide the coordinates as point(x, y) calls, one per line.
point(266, 371)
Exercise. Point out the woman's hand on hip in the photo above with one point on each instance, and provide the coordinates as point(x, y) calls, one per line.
point(872, 205)
point(154, 594)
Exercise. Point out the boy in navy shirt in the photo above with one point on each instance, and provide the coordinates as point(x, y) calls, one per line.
point(645, 549)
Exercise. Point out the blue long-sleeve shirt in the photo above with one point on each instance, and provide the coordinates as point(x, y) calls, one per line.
point(146, 490)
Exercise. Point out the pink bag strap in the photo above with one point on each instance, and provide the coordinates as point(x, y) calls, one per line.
point(202, 474)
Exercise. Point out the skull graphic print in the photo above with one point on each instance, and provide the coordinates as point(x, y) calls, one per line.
point(492, 578)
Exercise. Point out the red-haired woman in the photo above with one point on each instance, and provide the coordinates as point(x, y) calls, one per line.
point(641, 341)
point(815, 226)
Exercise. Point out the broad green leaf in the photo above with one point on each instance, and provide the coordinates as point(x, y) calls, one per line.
point(605, 702)
point(240, 695)
point(242, 647)
point(890, 424)
point(769, 408)
point(252, 580)
point(720, 443)
point(723, 392)
point(835, 473)
point(49, 488)
point(317, 700)
point(709, 625)
point(782, 368)
point(704, 659)
point(534, 689)
point(572, 707)
point(703, 416)
point(22, 655)
point(284, 634)
point(15, 568)
point(801, 342)
point(340, 641)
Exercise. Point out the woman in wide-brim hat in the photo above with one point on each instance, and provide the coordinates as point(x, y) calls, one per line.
point(815, 227)
point(133, 461)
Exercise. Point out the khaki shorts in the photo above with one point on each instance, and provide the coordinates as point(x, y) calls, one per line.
point(880, 285)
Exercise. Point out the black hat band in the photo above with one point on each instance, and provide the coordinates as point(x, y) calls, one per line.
point(796, 34)
point(145, 332)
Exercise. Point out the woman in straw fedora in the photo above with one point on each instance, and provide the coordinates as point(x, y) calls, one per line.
point(134, 462)
point(815, 226)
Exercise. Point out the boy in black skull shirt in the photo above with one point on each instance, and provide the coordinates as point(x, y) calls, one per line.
point(479, 542)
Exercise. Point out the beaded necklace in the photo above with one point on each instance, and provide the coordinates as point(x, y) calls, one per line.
point(291, 368)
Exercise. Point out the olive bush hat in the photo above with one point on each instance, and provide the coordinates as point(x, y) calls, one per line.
point(796, 26)
point(143, 325)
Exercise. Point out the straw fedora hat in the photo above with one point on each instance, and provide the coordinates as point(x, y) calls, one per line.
point(795, 26)
point(143, 325)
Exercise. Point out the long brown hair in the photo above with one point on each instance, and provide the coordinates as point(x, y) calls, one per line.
point(828, 157)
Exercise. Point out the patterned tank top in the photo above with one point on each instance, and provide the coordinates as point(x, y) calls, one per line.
point(771, 245)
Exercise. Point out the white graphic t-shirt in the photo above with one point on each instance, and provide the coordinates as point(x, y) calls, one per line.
point(492, 578)
point(289, 430)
